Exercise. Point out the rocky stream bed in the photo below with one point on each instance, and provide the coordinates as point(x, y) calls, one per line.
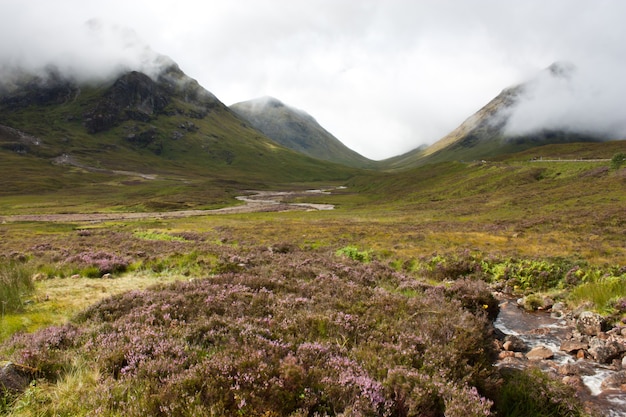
point(575, 346)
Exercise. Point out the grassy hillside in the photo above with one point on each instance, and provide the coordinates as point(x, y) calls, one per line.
point(187, 152)
point(297, 130)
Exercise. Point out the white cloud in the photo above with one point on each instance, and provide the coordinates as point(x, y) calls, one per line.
point(384, 76)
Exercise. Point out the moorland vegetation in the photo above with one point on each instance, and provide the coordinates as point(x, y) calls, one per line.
point(381, 307)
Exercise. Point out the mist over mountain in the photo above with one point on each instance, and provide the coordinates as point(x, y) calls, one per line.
point(558, 105)
point(569, 98)
point(92, 52)
point(297, 130)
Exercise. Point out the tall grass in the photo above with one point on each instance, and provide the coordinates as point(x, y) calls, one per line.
point(15, 283)
point(605, 293)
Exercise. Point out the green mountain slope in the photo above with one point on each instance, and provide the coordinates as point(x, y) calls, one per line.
point(484, 136)
point(169, 129)
point(297, 130)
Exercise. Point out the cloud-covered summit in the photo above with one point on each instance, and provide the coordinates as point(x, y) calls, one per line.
point(570, 98)
point(93, 51)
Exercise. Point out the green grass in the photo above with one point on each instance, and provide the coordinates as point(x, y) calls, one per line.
point(606, 293)
point(155, 235)
point(15, 284)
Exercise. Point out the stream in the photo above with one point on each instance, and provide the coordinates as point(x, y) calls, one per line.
point(256, 201)
point(541, 329)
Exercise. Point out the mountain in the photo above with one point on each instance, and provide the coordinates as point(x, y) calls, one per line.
point(60, 133)
point(297, 130)
point(487, 133)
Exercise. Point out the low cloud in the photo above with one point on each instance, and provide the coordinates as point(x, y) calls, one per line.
point(92, 51)
point(588, 99)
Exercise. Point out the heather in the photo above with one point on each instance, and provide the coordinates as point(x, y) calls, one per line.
point(293, 333)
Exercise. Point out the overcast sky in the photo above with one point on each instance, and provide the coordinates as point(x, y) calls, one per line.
point(383, 76)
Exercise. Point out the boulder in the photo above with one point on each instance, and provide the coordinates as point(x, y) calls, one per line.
point(15, 378)
point(506, 354)
point(576, 368)
point(539, 353)
point(604, 351)
point(590, 323)
point(573, 346)
point(575, 381)
point(514, 344)
point(568, 369)
point(616, 380)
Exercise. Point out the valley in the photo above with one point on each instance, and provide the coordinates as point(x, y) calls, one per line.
point(142, 276)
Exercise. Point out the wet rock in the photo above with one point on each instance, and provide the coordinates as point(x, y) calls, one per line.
point(575, 381)
point(568, 369)
point(539, 353)
point(506, 354)
point(604, 351)
point(573, 346)
point(577, 368)
point(541, 331)
point(589, 323)
point(616, 380)
point(560, 307)
point(514, 344)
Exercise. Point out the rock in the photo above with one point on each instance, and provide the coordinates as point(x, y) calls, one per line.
point(15, 378)
point(539, 353)
point(604, 351)
point(614, 381)
point(107, 276)
point(580, 354)
point(506, 354)
point(568, 369)
point(514, 344)
point(577, 368)
point(589, 323)
point(572, 346)
point(547, 303)
point(575, 381)
point(75, 276)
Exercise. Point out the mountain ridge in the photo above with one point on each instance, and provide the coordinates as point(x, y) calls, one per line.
point(487, 134)
point(297, 130)
point(166, 127)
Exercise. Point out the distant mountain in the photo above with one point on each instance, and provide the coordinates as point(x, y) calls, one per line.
point(486, 133)
point(297, 130)
point(166, 124)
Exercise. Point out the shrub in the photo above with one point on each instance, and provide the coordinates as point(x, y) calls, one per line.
point(15, 283)
point(94, 264)
point(533, 393)
point(618, 160)
point(354, 253)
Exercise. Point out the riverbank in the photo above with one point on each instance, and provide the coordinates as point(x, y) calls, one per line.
point(573, 346)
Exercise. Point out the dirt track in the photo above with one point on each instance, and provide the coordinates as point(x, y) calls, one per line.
point(261, 201)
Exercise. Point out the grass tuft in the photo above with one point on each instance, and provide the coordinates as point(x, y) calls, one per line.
point(15, 283)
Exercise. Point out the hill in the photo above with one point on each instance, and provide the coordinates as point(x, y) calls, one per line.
point(180, 145)
point(488, 133)
point(297, 130)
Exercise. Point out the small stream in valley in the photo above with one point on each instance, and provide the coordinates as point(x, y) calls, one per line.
point(541, 329)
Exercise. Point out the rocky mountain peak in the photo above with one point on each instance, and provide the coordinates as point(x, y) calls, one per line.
point(133, 96)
